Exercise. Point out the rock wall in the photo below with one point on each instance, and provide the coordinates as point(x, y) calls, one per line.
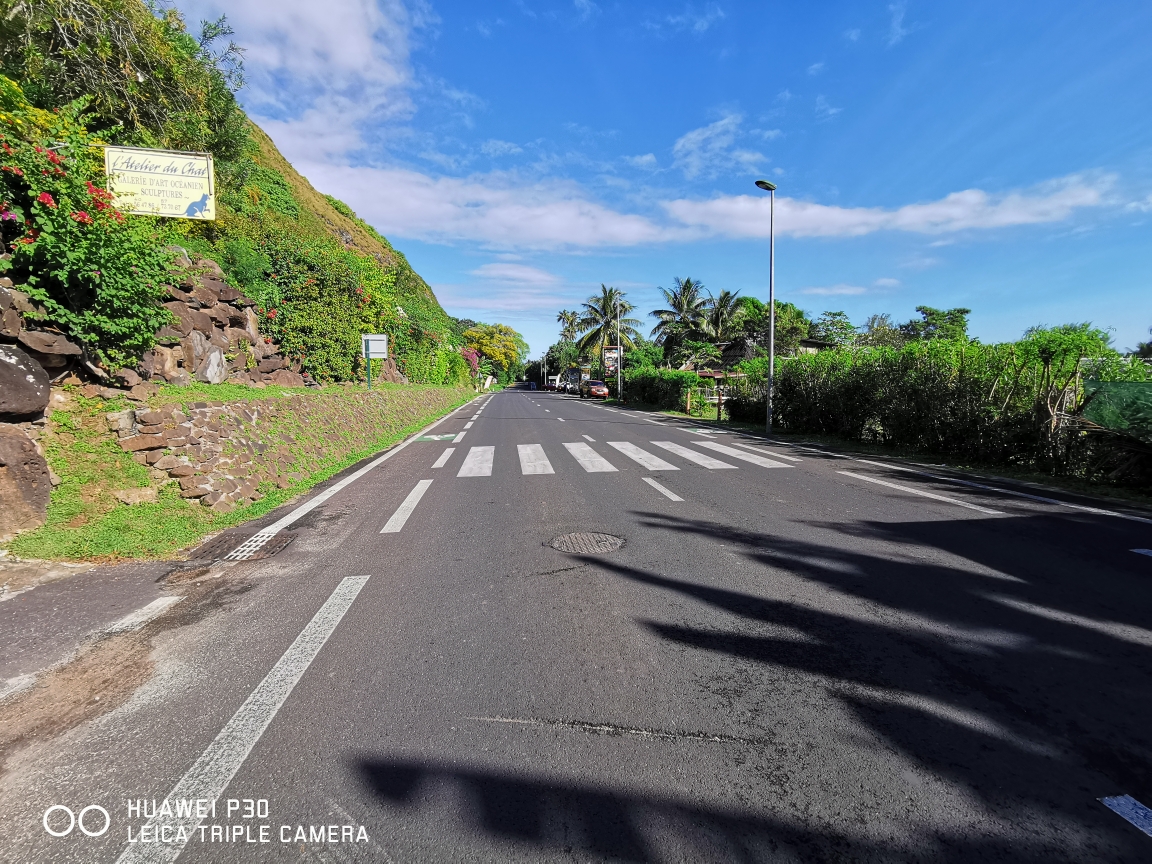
point(219, 453)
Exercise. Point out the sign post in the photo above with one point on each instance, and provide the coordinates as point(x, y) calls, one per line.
point(161, 182)
point(374, 346)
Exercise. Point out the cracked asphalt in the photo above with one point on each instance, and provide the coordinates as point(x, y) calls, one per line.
point(792, 663)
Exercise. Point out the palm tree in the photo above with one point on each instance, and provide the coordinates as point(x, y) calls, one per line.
point(598, 322)
point(722, 318)
point(569, 321)
point(683, 317)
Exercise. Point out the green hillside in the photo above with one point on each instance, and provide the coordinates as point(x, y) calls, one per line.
point(82, 73)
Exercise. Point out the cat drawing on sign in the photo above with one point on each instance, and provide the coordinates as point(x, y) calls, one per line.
point(196, 208)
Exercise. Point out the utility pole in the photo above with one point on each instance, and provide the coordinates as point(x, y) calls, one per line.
point(770, 188)
point(544, 383)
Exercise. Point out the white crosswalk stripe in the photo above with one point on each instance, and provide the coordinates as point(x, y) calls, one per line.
point(643, 457)
point(533, 460)
point(478, 463)
point(740, 454)
point(692, 455)
point(588, 458)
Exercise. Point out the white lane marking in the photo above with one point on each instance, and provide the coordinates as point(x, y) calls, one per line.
point(458, 438)
point(136, 620)
point(589, 437)
point(474, 416)
point(1129, 808)
point(561, 419)
point(468, 425)
point(533, 460)
point(643, 457)
point(478, 463)
point(547, 411)
point(740, 454)
point(649, 420)
point(444, 457)
point(588, 458)
point(692, 455)
point(667, 493)
point(999, 489)
point(769, 452)
point(393, 525)
point(213, 771)
point(1123, 632)
point(311, 505)
point(1143, 551)
point(921, 492)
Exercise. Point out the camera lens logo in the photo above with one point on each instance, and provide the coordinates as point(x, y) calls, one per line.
point(75, 821)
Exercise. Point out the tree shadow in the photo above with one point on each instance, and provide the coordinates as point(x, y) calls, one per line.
point(540, 816)
point(1006, 668)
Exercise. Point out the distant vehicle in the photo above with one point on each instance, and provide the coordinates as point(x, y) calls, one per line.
point(531, 385)
point(593, 390)
point(549, 387)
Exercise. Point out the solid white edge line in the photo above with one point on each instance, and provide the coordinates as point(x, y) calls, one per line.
point(397, 520)
point(1000, 489)
point(921, 492)
point(307, 507)
point(667, 493)
point(213, 771)
point(444, 457)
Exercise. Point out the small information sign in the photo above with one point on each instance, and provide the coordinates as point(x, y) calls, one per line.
point(161, 182)
point(374, 346)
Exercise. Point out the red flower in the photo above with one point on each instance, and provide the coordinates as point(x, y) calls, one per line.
point(82, 217)
point(45, 198)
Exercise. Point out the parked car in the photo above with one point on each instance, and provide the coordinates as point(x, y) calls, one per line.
point(549, 387)
point(593, 390)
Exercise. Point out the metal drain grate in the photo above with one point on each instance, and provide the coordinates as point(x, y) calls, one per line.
point(587, 543)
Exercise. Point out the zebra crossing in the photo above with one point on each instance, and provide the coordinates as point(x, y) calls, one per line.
point(479, 461)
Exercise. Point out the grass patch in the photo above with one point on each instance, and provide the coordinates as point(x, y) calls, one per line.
point(87, 523)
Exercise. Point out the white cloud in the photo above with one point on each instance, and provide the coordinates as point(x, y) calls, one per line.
point(886, 282)
point(689, 19)
point(852, 35)
point(896, 29)
point(816, 68)
point(825, 111)
point(585, 9)
point(494, 147)
point(520, 274)
point(768, 134)
point(1141, 206)
point(495, 209)
point(707, 151)
point(839, 289)
point(647, 161)
point(972, 209)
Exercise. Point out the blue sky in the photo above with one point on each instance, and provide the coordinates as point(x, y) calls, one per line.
point(983, 154)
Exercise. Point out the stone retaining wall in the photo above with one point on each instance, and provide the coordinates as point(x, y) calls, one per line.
point(221, 452)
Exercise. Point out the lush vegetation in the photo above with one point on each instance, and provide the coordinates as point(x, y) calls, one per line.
point(83, 73)
point(1061, 400)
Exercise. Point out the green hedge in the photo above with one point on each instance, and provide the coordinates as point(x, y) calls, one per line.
point(664, 388)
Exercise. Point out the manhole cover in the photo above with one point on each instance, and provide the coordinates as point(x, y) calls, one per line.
point(220, 547)
point(587, 543)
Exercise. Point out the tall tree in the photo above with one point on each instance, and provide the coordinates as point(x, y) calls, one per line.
point(834, 327)
point(792, 325)
point(569, 322)
point(723, 318)
point(682, 319)
point(938, 324)
point(879, 331)
point(598, 322)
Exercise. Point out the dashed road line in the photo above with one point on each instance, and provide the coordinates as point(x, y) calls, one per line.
point(213, 771)
point(396, 522)
point(458, 438)
point(444, 457)
point(589, 437)
point(667, 493)
point(1143, 551)
point(1129, 808)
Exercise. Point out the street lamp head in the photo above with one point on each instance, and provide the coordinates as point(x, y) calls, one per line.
point(766, 186)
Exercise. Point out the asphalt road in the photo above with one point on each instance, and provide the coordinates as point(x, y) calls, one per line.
point(795, 658)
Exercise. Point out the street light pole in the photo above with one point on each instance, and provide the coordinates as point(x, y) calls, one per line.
point(770, 188)
point(619, 357)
